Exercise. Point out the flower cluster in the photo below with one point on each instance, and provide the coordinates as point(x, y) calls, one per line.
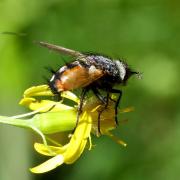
point(51, 117)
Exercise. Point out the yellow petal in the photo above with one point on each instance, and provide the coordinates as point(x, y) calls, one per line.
point(79, 139)
point(44, 105)
point(46, 150)
point(48, 165)
point(70, 95)
point(42, 90)
point(27, 101)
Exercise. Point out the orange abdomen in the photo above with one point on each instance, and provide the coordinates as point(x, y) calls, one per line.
point(77, 77)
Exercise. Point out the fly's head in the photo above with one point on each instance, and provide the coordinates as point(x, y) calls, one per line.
point(125, 72)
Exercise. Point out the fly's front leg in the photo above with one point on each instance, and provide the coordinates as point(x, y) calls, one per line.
point(117, 102)
point(105, 101)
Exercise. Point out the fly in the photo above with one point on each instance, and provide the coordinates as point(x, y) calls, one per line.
point(90, 71)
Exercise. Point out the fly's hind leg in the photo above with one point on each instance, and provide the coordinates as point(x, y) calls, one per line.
point(83, 94)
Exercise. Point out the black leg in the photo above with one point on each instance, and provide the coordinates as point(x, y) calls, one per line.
point(83, 94)
point(98, 95)
point(99, 121)
point(58, 96)
point(117, 102)
point(104, 101)
point(107, 99)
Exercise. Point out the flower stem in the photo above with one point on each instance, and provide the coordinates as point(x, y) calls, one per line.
point(24, 123)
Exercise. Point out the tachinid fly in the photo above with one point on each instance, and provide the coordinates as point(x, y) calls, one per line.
point(90, 72)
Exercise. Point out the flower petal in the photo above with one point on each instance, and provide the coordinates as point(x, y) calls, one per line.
point(46, 150)
point(70, 95)
point(42, 90)
point(79, 139)
point(44, 105)
point(48, 165)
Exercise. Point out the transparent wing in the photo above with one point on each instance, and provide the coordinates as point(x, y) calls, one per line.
point(60, 49)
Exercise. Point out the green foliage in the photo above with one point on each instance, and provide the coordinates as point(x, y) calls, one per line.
point(144, 33)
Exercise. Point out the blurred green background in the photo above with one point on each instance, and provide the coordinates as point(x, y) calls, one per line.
point(144, 33)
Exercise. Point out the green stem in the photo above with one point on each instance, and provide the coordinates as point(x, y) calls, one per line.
point(23, 123)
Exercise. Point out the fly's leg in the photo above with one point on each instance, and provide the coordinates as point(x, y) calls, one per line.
point(105, 101)
point(99, 95)
point(117, 102)
point(83, 94)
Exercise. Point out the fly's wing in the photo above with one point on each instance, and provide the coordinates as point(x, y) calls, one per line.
point(60, 49)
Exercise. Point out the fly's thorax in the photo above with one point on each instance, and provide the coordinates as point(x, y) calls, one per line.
point(115, 71)
point(103, 63)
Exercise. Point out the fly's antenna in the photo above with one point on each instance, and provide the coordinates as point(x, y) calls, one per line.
point(59, 49)
point(138, 74)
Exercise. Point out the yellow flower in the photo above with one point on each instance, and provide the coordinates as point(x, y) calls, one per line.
point(71, 151)
point(50, 117)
